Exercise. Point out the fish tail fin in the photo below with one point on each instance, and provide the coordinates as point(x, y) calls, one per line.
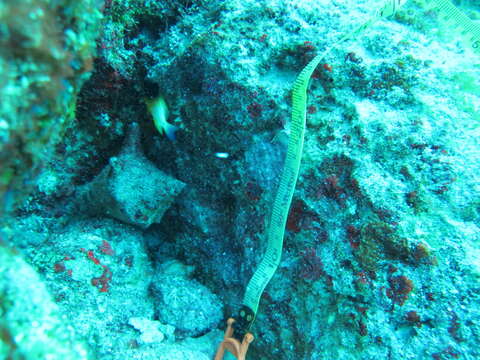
point(170, 131)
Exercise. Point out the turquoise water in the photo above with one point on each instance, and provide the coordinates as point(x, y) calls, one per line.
point(119, 242)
